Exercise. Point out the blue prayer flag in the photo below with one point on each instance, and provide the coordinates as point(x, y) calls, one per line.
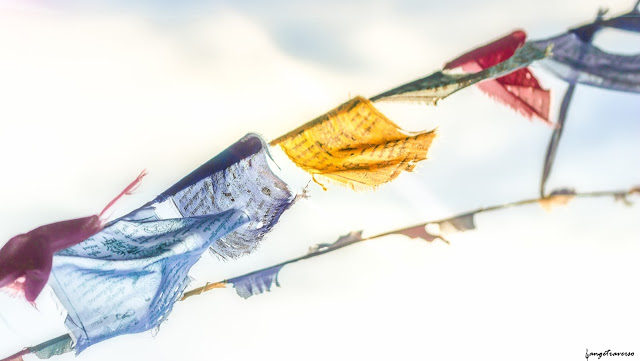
point(126, 278)
point(257, 282)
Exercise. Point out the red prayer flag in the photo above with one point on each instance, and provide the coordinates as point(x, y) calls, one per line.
point(25, 261)
point(519, 90)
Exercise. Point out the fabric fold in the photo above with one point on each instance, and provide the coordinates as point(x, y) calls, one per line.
point(239, 177)
point(126, 278)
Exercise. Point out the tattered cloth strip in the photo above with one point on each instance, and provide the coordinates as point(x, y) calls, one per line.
point(239, 178)
point(576, 61)
point(257, 282)
point(126, 278)
point(519, 90)
point(355, 145)
point(442, 84)
point(25, 261)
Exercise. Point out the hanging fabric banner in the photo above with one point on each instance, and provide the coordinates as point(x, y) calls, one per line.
point(520, 89)
point(441, 84)
point(576, 61)
point(355, 145)
point(126, 278)
point(25, 261)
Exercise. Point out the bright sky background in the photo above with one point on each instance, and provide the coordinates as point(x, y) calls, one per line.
point(92, 92)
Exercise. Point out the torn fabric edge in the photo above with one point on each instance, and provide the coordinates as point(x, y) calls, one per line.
point(441, 84)
point(576, 61)
point(257, 282)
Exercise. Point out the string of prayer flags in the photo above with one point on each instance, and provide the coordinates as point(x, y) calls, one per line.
point(262, 280)
point(441, 84)
point(257, 282)
point(240, 177)
point(460, 223)
point(25, 261)
point(356, 146)
point(577, 61)
point(520, 89)
point(419, 231)
point(126, 278)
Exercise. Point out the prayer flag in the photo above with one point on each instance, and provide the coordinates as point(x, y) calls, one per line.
point(355, 145)
point(126, 278)
point(520, 89)
point(57, 346)
point(257, 282)
point(25, 261)
point(577, 61)
point(240, 177)
point(441, 84)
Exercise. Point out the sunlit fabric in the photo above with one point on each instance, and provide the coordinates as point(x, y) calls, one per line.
point(257, 282)
point(25, 261)
point(442, 84)
point(519, 90)
point(126, 278)
point(57, 346)
point(576, 61)
point(239, 177)
point(355, 145)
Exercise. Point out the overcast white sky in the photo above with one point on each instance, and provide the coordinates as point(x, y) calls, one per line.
point(93, 92)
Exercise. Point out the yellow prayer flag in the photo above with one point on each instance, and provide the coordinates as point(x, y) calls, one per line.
point(355, 145)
